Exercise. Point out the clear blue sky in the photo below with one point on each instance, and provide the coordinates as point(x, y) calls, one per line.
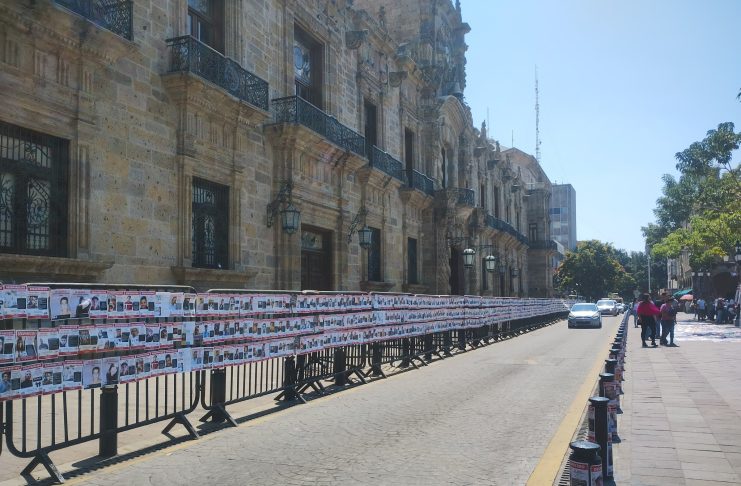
point(624, 85)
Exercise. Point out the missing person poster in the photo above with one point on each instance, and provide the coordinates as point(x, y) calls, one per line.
point(98, 304)
point(33, 376)
point(79, 303)
point(168, 304)
point(140, 367)
point(6, 383)
point(59, 306)
point(145, 303)
point(153, 336)
point(72, 375)
point(37, 304)
point(137, 335)
point(48, 340)
point(127, 369)
point(26, 343)
point(120, 334)
point(91, 375)
point(52, 379)
point(189, 305)
point(7, 346)
point(88, 339)
point(13, 299)
point(106, 341)
point(69, 340)
point(109, 370)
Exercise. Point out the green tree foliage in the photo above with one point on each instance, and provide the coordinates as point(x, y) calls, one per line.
point(593, 270)
point(700, 211)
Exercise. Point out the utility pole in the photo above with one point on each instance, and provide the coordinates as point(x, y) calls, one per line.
point(649, 272)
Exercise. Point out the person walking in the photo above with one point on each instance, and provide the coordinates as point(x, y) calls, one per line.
point(668, 320)
point(647, 313)
point(701, 309)
point(634, 309)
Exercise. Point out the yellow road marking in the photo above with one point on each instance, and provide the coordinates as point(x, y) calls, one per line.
point(550, 463)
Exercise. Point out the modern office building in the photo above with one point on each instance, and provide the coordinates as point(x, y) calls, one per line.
point(563, 215)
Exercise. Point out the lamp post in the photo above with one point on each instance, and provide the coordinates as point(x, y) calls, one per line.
point(737, 257)
point(469, 255)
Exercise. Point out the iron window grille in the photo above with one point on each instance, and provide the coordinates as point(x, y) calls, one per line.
point(33, 192)
point(210, 224)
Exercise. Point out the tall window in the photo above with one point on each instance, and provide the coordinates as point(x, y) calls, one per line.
point(210, 224)
point(374, 256)
point(533, 232)
point(205, 22)
point(307, 66)
point(495, 197)
point(371, 124)
point(33, 192)
point(482, 197)
point(484, 276)
point(412, 274)
point(409, 149)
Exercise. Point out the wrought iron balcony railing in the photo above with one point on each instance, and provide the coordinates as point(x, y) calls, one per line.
point(498, 224)
point(294, 109)
point(419, 181)
point(113, 15)
point(466, 197)
point(386, 163)
point(544, 245)
point(191, 55)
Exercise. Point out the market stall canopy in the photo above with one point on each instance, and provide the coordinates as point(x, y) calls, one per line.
point(680, 293)
point(687, 297)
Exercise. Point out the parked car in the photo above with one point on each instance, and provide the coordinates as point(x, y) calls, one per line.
point(608, 306)
point(585, 314)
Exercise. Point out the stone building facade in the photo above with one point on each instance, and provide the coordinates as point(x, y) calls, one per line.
point(165, 141)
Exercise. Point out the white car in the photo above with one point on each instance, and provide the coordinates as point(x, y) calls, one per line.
point(608, 306)
point(584, 314)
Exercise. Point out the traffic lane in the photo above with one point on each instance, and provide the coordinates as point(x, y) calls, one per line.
point(485, 416)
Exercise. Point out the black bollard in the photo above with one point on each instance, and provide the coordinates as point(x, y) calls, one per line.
point(340, 367)
point(585, 465)
point(108, 442)
point(599, 416)
point(607, 389)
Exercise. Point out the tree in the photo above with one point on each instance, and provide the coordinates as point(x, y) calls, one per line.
point(592, 270)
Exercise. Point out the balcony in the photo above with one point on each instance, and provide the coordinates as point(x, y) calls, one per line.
point(113, 15)
point(466, 197)
point(386, 163)
point(188, 54)
point(419, 181)
point(498, 224)
point(544, 245)
point(293, 109)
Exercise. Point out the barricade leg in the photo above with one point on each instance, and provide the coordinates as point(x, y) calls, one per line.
point(340, 367)
point(108, 442)
point(218, 411)
point(448, 342)
point(428, 345)
point(462, 339)
point(376, 359)
point(42, 459)
point(289, 381)
point(406, 351)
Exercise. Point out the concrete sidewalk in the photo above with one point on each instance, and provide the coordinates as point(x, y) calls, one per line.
point(682, 409)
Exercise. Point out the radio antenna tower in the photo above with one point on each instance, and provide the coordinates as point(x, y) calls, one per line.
point(537, 118)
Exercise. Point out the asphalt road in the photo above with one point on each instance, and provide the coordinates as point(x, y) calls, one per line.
point(482, 417)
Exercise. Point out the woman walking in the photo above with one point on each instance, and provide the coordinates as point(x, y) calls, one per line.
point(647, 313)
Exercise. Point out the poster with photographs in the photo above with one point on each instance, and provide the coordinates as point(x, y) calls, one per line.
point(52, 379)
point(145, 303)
point(72, 375)
point(105, 339)
point(7, 392)
point(33, 376)
point(91, 373)
point(189, 305)
point(218, 354)
point(168, 304)
point(69, 340)
point(109, 370)
point(26, 345)
point(152, 336)
point(127, 369)
point(140, 366)
point(79, 303)
point(13, 300)
point(59, 306)
point(98, 304)
point(87, 339)
point(7, 346)
point(208, 357)
point(192, 359)
point(48, 340)
point(137, 335)
point(120, 335)
point(128, 303)
point(37, 303)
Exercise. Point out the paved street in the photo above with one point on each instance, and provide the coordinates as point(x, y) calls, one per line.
point(483, 417)
point(682, 409)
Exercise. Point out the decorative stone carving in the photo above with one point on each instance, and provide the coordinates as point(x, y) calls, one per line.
point(396, 77)
point(354, 38)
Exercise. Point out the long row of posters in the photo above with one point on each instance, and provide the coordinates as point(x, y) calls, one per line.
point(25, 380)
point(27, 345)
point(37, 302)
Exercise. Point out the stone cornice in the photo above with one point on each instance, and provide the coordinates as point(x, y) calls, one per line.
point(203, 277)
point(55, 268)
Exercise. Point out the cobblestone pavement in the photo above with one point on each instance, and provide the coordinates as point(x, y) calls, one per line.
point(483, 417)
point(682, 411)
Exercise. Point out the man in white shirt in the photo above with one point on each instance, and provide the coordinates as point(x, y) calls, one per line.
point(701, 310)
